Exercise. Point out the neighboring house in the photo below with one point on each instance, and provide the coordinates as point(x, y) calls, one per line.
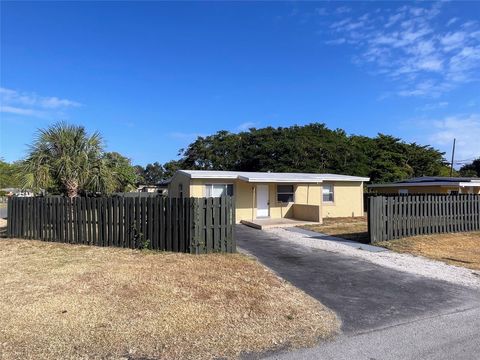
point(147, 188)
point(160, 187)
point(309, 197)
point(163, 186)
point(150, 189)
point(429, 185)
point(18, 192)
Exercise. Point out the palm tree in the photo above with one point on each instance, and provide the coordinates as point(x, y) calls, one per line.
point(65, 157)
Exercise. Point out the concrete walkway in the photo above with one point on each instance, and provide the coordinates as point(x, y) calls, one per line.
point(366, 296)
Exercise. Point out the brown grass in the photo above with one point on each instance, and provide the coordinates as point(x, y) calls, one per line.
point(350, 228)
point(61, 301)
point(461, 249)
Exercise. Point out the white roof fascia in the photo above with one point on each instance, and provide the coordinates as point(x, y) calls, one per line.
point(278, 180)
point(207, 175)
point(270, 177)
point(469, 184)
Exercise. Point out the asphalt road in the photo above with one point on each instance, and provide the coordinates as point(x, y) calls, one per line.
point(444, 337)
point(392, 312)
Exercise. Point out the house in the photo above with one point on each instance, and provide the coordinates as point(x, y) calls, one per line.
point(429, 185)
point(260, 195)
point(160, 187)
point(18, 192)
point(147, 188)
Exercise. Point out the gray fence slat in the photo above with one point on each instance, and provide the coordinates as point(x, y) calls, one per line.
point(186, 225)
point(392, 217)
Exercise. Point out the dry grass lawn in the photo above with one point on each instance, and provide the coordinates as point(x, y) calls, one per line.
point(461, 249)
point(350, 228)
point(61, 301)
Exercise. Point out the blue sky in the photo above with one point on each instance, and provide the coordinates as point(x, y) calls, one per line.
point(152, 76)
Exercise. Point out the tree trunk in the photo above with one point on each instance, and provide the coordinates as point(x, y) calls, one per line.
point(72, 188)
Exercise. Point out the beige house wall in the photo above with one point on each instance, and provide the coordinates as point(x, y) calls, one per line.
point(246, 202)
point(471, 190)
point(307, 203)
point(308, 194)
point(348, 200)
point(307, 212)
point(174, 186)
point(243, 192)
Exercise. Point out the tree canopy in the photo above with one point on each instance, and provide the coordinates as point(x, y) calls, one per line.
point(313, 148)
point(9, 175)
point(472, 169)
point(154, 173)
point(65, 159)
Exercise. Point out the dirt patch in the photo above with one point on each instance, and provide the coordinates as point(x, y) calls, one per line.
point(461, 249)
point(73, 301)
point(350, 228)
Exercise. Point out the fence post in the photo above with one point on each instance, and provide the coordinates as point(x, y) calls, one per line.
point(195, 226)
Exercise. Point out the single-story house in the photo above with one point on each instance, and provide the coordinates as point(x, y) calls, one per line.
point(429, 185)
point(147, 188)
point(157, 188)
point(18, 192)
point(259, 195)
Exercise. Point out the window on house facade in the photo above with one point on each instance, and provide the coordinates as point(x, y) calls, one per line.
point(180, 191)
point(403, 192)
point(327, 191)
point(285, 193)
point(218, 190)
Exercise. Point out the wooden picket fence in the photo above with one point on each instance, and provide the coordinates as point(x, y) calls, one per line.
point(193, 225)
point(394, 217)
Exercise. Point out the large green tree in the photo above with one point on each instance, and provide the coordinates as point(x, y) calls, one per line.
point(9, 175)
point(66, 159)
point(123, 174)
point(312, 148)
point(154, 173)
point(472, 169)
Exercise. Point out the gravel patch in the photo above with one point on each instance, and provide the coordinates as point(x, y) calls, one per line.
point(403, 262)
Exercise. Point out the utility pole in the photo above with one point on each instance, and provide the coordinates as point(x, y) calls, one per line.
point(453, 158)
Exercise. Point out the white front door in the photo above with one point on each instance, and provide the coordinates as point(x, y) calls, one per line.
point(262, 201)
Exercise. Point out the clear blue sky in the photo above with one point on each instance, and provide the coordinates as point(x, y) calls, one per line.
point(152, 76)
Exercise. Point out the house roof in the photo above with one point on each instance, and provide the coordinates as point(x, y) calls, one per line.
point(432, 181)
point(269, 176)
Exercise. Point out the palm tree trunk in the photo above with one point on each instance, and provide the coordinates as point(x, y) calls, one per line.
point(72, 188)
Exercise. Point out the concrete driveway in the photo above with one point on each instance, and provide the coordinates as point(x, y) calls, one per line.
point(365, 295)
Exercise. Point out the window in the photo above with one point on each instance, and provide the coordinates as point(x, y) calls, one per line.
point(285, 193)
point(218, 190)
point(180, 191)
point(327, 193)
point(453, 192)
point(403, 192)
